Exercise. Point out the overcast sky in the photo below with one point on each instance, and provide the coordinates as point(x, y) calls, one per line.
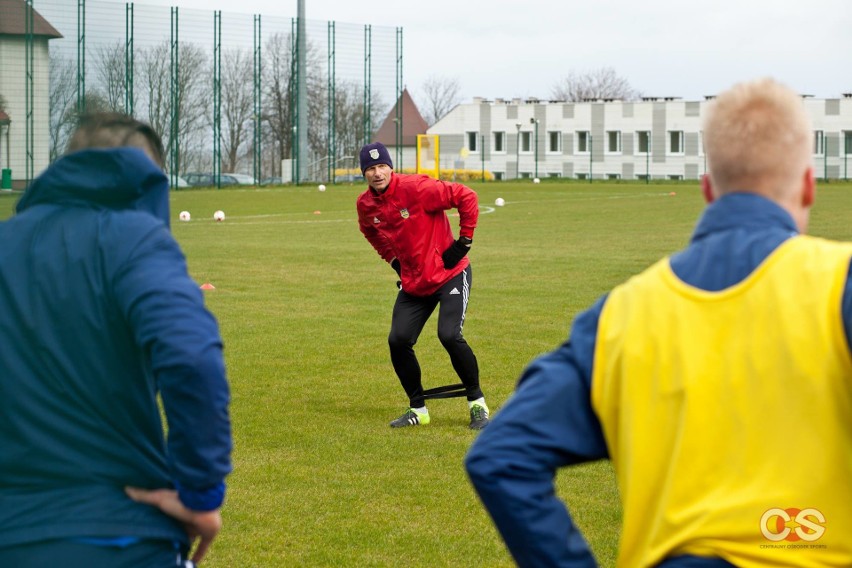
point(687, 49)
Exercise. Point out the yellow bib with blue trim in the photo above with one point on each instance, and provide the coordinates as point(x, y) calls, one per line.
point(728, 415)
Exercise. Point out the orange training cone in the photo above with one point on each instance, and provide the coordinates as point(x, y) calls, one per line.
point(208, 286)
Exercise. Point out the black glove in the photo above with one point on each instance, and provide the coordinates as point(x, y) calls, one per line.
point(456, 251)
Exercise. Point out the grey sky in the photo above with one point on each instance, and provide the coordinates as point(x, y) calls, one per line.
point(688, 49)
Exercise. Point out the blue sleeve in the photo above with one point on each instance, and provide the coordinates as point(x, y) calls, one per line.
point(846, 308)
point(181, 341)
point(546, 424)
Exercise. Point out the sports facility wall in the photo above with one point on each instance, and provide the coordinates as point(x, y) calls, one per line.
point(221, 88)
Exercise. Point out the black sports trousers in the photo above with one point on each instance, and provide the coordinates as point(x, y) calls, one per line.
point(410, 314)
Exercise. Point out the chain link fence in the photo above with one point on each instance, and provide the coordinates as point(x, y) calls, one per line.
point(225, 90)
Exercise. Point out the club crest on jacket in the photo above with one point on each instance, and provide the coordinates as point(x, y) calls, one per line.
point(404, 213)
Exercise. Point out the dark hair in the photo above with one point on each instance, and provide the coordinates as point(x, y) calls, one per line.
point(116, 130)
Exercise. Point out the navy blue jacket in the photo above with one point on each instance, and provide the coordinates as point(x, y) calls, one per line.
point(99, 316)
point(549, 423)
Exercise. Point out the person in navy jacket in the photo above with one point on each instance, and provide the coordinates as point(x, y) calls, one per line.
point(404, 217)
point(100, 319)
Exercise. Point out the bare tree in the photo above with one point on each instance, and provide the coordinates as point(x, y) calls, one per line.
point(349, 118)
point(318, 116)
point(62, 97)
point(237, 106)
point(110, 72)
point(440, 95)
point(192, 96)
point(603, 83)
point(350, 123)
point(277, 79)
point(278, 88)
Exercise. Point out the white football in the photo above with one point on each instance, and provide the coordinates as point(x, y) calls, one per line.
point(184, 216)
point(219, 216)
point(499, 202)
point(536, 180)
point(321, 187)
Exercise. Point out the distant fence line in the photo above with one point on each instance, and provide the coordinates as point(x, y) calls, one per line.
point(221, 88)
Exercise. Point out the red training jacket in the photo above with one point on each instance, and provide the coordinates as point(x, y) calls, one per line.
point(408, 222)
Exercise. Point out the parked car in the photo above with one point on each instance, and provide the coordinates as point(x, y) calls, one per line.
point(272, 181)
point(242, 179)
point(178, 183)
point(348, 178)
point(207, 180)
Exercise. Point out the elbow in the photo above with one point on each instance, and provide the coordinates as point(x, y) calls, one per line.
point(480, 467)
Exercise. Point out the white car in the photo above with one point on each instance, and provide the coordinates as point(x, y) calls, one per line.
point(178, 183)
point(243, 179)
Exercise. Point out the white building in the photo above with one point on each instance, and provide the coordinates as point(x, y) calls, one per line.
point(13, 155)
point(656, 137)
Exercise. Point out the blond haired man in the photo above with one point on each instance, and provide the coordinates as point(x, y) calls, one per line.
point(718, 381)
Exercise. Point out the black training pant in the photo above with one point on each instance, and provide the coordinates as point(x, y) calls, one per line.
point(410, 314)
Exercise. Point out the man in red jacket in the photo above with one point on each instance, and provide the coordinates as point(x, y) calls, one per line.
point(403, 216)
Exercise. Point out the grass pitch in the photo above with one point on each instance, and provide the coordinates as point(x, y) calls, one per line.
point(304, 305)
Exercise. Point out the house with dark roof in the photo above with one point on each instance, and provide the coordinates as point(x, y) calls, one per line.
point(13, 76)
point(404, 151)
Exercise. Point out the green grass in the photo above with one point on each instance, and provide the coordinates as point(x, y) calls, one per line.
point(304, 305)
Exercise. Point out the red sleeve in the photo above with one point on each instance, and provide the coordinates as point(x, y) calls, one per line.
point(447, 195)
point(375, 238)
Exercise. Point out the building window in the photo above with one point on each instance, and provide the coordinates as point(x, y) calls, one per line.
point(582, 176)
point(613, 141)
point(643, 142)
point(675, 177)
point(642, 176)
point(819, 143)
point(500, 142)
point(554, 175)
point(847, 142)
point(675, 141)
point(554, 141)
point(498, 176)
point(613, 176)
point(584, 139)
point(526, 141)
point(526, 175)
point(472, 138)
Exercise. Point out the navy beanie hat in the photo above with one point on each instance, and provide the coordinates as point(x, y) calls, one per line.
point(374, 154)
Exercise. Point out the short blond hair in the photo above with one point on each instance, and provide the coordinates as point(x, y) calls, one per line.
point(757, 137)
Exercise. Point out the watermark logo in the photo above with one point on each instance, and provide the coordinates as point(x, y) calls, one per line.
point(792, 525)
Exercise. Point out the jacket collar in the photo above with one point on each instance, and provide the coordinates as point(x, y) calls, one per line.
point(114, 178)
point(742, 210)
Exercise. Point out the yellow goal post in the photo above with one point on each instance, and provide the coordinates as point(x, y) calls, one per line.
point(428, 155)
